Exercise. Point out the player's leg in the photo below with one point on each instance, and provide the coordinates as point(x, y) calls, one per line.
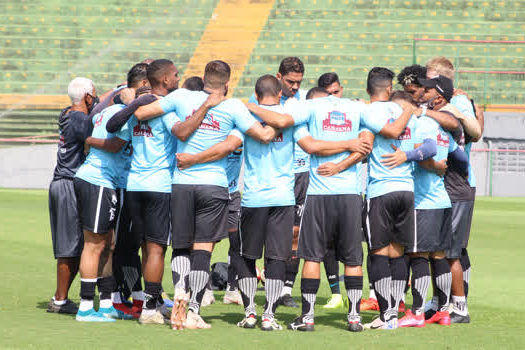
point(331, 266)
point(310, 280)
point(67, 238)
point(232, 295)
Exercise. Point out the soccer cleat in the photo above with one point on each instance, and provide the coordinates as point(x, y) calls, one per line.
point(147, 317)
point(302, 323)
point(112, 312)
point(440, 317)
point(287, 300)
point(377, 323)
point(248, 321)
point(335, 302)
point(270, 325)
point(92, 316)
point(369, 304)
point(355, 326)
point(457, 318)
point(126, 309)
point(232, 297)
point(207, 298)
point(163, 309)
point(402, 307)
point(68, 308)
point(391, 324)
point(136, 308)
point(178, 313)
point(167, 301)
point(195, 321)
point(429, 313)
point(411, 320)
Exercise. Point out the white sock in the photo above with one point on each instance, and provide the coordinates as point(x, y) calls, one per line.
point(460, 305)
point(139, 295)
point(115, 298)
point(372, 294)
point(59, 302)
point(105, 303)
point(286, 291)
point(85, 305)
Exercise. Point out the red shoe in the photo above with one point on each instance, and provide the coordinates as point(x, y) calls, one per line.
point(402, 307)
point(137, 306)
point(411, 320)
point(126, 309)
point(440, 317)
point(369, 304)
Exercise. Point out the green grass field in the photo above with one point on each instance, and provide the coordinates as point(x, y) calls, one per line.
point(28, 281)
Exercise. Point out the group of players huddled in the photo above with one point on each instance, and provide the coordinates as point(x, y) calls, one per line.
point(163, 166)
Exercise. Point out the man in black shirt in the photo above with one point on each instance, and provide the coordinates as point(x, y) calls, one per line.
point(74, 126)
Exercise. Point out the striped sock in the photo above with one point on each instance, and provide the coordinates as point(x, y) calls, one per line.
point(354, 290)
point(420, 283)
point(198, 278)
point(399, 271)
point(248, 287)
point(381, 275)
point(443, 282)
point(309, 288)
point(272, 288)
point(180, 268)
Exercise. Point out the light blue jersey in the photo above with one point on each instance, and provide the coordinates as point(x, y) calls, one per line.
point(103, 168)
point(234, 160)
point(429, 191)
point(332, 119)
point(382, 180)
point(216, 126)
point(301, 158)
point(268, 169)
point(153, 157)
point(463, 104)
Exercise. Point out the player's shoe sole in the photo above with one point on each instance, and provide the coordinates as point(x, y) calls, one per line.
point(92, 316)
point(457, 318)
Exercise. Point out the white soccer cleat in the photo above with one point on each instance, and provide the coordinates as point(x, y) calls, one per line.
point(208, 298)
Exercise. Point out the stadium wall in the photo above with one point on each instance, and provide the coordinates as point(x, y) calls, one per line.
point(498, 172)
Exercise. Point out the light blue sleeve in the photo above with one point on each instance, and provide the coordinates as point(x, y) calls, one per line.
point(242, 117)
point(170, 119)
point(463, 104)
point(300, 112)
point(237, 133)
point(253, 99)
point(452, 145)
point(124, 132)
point(169, 102)
point(376, 118)
point(300, 132)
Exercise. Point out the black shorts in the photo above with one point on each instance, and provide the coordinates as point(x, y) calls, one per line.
point(433, 231)
point(302, 180)
point(390, 219)
point(97, 206)
point(332, 220)
point(66, 232)
point(234, 211)
point(270, 228)
point(150, 216)
point(126, 238)
point(199, 214)
point(461, 221)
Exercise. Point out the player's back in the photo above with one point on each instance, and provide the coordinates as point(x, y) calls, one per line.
point(463, 104)
point(382, 180)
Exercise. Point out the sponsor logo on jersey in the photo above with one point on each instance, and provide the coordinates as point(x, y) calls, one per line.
point(443, 140)
point(142, 129)
point(209, 123)
point(99, 119)
point(406, 135)
point(278, 138)
point(336, 121)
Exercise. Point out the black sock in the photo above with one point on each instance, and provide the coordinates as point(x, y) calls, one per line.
point(87, 289)
point(234, 257)
point(106, 286)
point(331, 266)
point(370, 280)
point(354, 290)
point(309, 288)
point(199, 277)
point(382, 277)
point(275, 272)
point(420, 283)
point(443, 278)
point(407, 263)
point(152, 292)
point(465, 264)
point(292, 268)
point(399, 271)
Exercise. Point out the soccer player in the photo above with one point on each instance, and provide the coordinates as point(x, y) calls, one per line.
point(462, 195)
point(200, 193)
point(330, 82)
point(74, 127)
point(290, 75)
point(332, 216)
point(95, 183)
point(390, 218)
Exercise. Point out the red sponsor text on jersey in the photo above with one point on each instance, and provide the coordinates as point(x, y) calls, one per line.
point(406, 135)
point(278, 138)
point(336, 121)
point(443, 140)
point(209, 123)
point(142, 129)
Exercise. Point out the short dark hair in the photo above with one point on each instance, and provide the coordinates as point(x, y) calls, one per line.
point(267, 85)
point(327, 79)
point(316, 91)
point(194, 83)
point(410, 75)
point(402, 95)
point(379, 78)
point(291, 65)
point(157, 69)
point(216, 73)
point(136, 74)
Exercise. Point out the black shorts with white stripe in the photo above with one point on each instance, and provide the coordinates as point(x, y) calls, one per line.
point(461, 221)
point(332, 220)
point(150, 216)
point(302, 180)
point(390, 219)
point(97, 206)
point(199, 214)
point(433, 231)
point(270, 228)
